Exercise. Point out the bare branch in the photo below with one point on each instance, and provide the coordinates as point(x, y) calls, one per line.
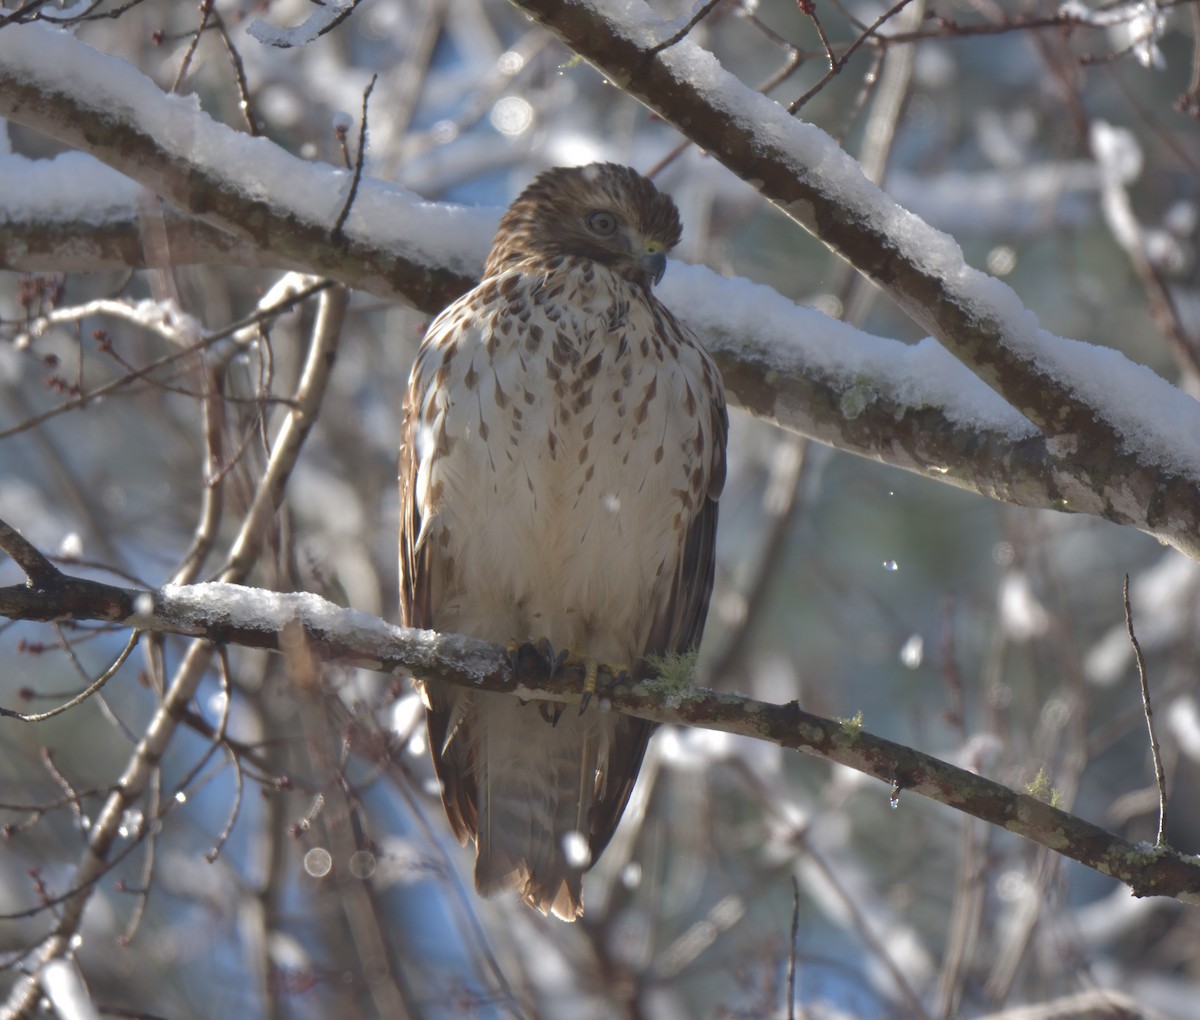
point(1160, 777)
point(359, 160)
point(143, 767)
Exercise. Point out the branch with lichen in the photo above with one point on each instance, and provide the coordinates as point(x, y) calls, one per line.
point(236, 615)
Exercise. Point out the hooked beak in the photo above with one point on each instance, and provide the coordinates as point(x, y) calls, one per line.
point(655, 265)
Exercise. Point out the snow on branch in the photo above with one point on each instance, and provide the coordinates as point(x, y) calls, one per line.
point(1115, 441)
point(233, 614)
point(1131, 436)
point(73, 213)
point(247, 186)
point(324, 19)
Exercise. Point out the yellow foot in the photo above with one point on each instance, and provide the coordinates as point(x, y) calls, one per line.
point(596, 674)
point(592, 671)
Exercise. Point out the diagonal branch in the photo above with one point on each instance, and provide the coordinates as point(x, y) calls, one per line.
point(1128, 451)
point(232, 614)
point(168, 145)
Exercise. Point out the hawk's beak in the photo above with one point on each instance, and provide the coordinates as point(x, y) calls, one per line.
point(655, 265)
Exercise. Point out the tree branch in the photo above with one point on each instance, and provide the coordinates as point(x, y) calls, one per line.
point(145, 762)
point(232, 614)
point(1121, 449)
point(165, 143)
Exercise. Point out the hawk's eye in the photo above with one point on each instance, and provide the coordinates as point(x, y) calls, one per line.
point(602, 223)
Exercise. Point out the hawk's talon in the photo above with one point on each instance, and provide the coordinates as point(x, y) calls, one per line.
point(614, 676)
point(553, 659)
point(520, 652)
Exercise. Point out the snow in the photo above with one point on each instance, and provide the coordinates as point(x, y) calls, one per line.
point(64, 987)
point(72, 186)
point(268, 611)
point(737, 316)
point(55, 62)
point(321, 20)
point(198, 608)
point(1151, 415)
point(1158, 423)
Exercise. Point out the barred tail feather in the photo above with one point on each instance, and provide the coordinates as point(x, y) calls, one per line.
point(537, 785)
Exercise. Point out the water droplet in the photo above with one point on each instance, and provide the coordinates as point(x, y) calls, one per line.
point(576, 850)
point(318, 862)
point(894, 799)
point(891, 566)
point(362, 864)
point(913, 651)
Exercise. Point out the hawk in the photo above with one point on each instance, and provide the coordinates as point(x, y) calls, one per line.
point(562, 454)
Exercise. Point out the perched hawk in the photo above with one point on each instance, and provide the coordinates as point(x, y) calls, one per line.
point(562, 455)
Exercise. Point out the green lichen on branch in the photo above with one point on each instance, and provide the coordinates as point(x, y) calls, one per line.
point(1040, 788)
point(852, 727)
point(675, 679)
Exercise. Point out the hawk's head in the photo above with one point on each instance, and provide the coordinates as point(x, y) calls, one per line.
point(603, 211)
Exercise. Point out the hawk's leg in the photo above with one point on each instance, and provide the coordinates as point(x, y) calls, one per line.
point(542, 652)
point(520, 653)
point(592, 671)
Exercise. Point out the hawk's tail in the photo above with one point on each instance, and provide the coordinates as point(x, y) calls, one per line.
point(537, 784)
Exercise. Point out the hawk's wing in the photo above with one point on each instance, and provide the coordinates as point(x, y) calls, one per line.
point(422, 579)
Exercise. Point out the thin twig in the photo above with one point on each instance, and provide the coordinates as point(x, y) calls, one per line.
point(64, 784)
point(84, 398)
point(239, 73)
point(836, 66)
point(81, 697)
point(1159, 776)
point(206, 7)
point(700, 14)
point(140, 772)
point(359, 160)
point(286, 448)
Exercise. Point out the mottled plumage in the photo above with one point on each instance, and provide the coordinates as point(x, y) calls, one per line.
point(562, 455)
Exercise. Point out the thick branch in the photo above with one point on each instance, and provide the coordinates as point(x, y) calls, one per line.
point(232, 614)
point(1121, 453)
point(166, 144)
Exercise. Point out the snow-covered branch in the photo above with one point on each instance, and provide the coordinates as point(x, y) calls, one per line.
point(1129, 436)
point(1113, 439)
point(232, 614)
point(248, 187)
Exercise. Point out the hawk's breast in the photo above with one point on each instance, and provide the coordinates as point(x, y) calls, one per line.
point(570, 459)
